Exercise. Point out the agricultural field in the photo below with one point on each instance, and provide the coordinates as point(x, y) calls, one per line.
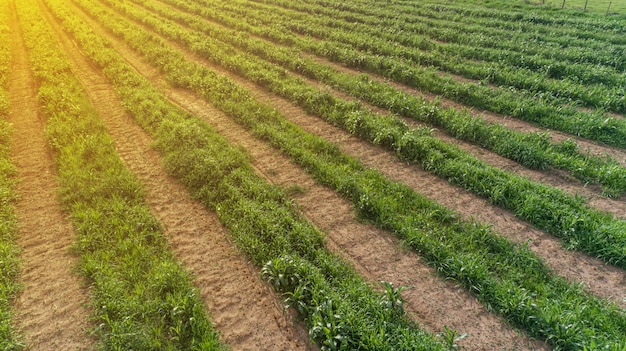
point(311, 175)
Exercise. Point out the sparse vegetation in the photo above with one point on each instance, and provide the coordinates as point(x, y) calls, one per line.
point(9, 250)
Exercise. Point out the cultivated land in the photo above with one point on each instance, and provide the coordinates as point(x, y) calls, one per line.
point(316, 174)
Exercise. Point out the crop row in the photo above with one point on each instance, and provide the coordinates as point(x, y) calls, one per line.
point(508, 17)
point(576, 82)
point(462, 41)
point(585, 24)
point(546, 207)
point(604, 86)
point(533, 150)
point(9, 250)
point(141, 297)
point(338, 306)
point(445, 23)
point(593, 125)
point(508, 278)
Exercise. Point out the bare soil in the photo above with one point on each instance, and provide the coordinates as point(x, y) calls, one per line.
point(50, 309)
point(601, 279)
point(375, 253)
point(244, 309)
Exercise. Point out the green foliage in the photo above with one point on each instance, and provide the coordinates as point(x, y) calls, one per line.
point(142, 298)
point(531, 201)
point(9, 250)
point(261, 219)
point(507, 277)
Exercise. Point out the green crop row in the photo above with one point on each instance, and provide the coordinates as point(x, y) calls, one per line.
point(605, 89)
point(577, 82)
point(594, 63)
point(341, 311)
point(141, 297)
point(9, 250)
point(513, 24)
point(508, 278)
point(533, 150)
point(501, 15)
point(594, 25)
point(591, 125)
point(546, 207)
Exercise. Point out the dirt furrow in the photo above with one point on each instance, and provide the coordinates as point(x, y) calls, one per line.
point(50, 310)
point(585, 145)
point(606, 281)
point(375, 253)
point(245, 310)
point(556, 178)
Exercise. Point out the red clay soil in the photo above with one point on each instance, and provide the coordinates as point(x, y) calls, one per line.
point(244, 309)
point(606, 281)
point(50, 309)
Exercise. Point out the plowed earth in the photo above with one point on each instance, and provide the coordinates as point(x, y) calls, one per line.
point(51, 312)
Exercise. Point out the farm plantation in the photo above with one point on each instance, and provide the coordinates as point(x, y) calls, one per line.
point(316, 174)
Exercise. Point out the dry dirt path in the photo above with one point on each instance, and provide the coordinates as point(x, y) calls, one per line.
point(244, 309)
point(585, 145)
point(553, 177)
point(556, 178)
point(605, 281)
point(50, 310)
point(375, 254)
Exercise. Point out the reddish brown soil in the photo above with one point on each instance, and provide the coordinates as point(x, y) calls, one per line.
point(244, 309)
point(50, 310)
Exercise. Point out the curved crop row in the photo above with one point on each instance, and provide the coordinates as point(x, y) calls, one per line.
point(533, 150)
point(342, 312)
point(9, 250)
point(546, 207)
point(142, 298)
point(507, 277)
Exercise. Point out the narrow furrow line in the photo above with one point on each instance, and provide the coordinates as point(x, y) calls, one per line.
point(265, 122)
point(605, 281)
point(50, 310)
point(244, 309)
